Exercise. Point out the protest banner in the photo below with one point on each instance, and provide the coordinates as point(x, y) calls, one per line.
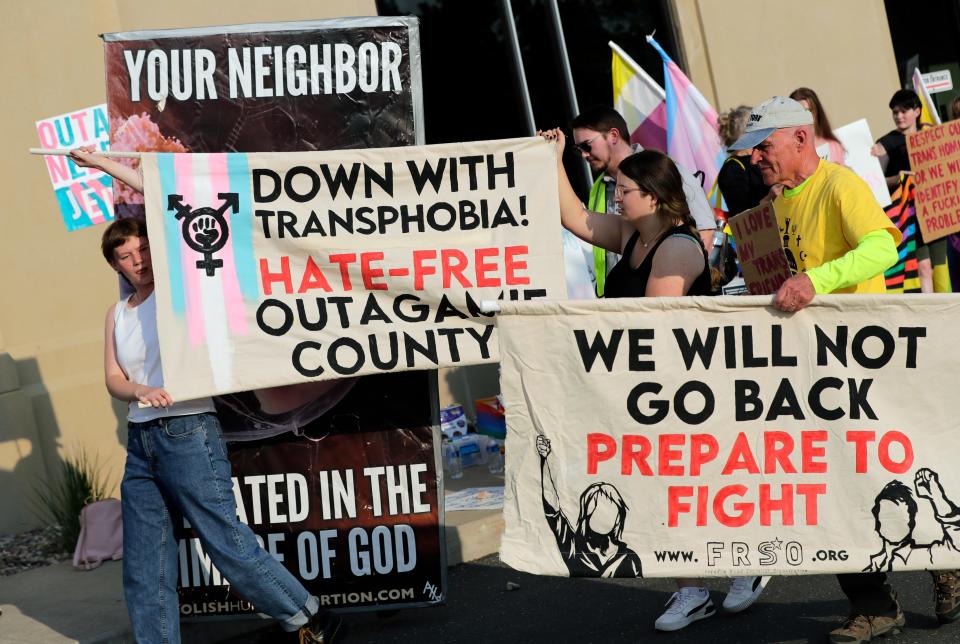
point(358, 526)
point(84, 195)
point(935, 161)
point(687, 437)
point(857, 141)
point(763, 260)
point(278, 268)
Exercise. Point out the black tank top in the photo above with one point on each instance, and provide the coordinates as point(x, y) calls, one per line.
point(624, 281)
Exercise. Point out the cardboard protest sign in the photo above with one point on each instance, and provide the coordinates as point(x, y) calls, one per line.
point(763, 261)
point(84, 195)
point(308, 85)
point(359, 526)
point(688, 437)
point(279, 268)
point(935, 161)
point(857, 141)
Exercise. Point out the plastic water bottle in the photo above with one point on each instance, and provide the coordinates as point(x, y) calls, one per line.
point(495, 455)
point(718, 239)
point(451, 459)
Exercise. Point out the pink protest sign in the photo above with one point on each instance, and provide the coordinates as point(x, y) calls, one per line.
point(85, 196)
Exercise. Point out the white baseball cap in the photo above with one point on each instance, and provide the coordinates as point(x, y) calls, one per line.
point(769, 116)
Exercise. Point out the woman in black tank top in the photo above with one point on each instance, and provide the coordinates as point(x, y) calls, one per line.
point(662, 254)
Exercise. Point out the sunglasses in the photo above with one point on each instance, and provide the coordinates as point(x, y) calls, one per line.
point(584, 146)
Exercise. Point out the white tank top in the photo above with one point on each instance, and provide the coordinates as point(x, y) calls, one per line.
point(138, 353)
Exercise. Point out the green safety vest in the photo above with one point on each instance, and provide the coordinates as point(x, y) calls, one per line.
point(598, 203)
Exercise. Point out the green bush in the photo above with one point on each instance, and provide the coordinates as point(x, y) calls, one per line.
point(61, 498)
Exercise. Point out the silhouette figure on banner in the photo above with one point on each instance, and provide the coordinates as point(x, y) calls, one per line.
point(895, 518)
point(593, 548)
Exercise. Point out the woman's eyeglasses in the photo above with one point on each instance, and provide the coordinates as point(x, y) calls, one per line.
point(620, 191)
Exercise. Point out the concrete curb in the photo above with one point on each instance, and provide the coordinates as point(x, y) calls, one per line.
point(60, 605)
point(473, 534)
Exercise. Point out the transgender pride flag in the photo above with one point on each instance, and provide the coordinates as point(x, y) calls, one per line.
point(640, 100)
point(212, 305)
point(693, 140)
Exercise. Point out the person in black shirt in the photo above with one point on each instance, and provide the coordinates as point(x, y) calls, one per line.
point(662, 254)
point(891, 148)
point(740, 182)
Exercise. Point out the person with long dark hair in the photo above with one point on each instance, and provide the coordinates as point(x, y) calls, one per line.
point(662, 255)
point(661, 252)
point(822, 131)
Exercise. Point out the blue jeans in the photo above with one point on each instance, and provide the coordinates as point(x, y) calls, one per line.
point(177, 467)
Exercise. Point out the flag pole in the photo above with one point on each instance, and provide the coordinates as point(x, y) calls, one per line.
point(562, 54)
point(637, 69)
point(506, 11)
point(63, 152)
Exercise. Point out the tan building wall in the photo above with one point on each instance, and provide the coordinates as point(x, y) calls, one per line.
point(744, 51)
point(55, 286)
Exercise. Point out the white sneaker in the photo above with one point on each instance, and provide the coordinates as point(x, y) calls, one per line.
point(685, 607)
point(743, 592)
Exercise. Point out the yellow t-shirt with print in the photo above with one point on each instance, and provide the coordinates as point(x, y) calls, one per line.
point(826, 216)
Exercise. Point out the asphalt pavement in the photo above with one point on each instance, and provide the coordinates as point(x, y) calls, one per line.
point(553, 609)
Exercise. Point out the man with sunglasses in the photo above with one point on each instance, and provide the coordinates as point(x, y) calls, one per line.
point(601, 136)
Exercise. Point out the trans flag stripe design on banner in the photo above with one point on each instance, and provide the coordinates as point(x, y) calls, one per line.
point(201, 218)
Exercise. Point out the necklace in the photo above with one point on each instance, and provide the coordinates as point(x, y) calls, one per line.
point(644, 244)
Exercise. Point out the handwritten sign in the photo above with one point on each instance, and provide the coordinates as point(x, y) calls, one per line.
point(935, 159)
point(762, 260)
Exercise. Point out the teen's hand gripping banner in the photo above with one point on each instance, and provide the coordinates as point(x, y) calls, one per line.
point(686, 437)
point(278, 268)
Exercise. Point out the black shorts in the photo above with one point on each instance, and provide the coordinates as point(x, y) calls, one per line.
point(935, 251)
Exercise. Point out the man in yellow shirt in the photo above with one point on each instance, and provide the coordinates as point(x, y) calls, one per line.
point(836, 236)
point(837, 240)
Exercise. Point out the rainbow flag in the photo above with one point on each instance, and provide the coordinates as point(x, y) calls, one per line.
point(928, 110)
point(640, 100)
point(903, 277)
point(693, 138)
